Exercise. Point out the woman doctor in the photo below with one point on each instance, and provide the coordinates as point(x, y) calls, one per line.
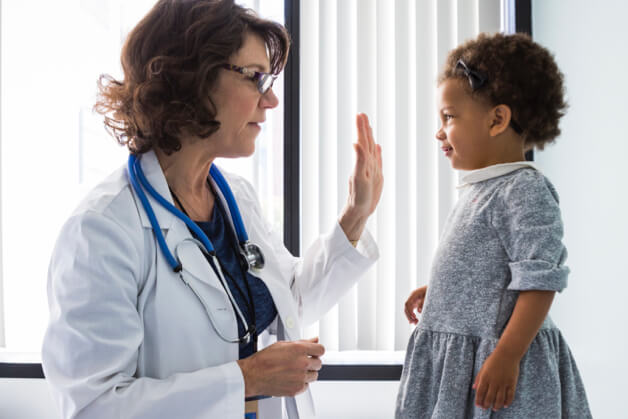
point(166, 287)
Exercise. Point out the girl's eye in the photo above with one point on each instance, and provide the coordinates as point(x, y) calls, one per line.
point(447, 117)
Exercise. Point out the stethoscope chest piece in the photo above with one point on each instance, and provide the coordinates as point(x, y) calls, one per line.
point(253, 256)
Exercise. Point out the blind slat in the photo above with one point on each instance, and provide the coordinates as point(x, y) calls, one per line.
point(327, 141)
point(367, 102)
point(403, 259)
point(346, 69)
point(385, 134)
point(309, 131)
point(427, 148)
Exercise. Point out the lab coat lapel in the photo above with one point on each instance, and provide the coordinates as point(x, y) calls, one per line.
point(271, 274)
point(282, 296)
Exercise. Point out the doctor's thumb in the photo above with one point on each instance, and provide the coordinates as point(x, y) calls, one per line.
point(313, 340)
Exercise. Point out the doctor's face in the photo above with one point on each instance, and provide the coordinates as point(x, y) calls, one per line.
point(241, 108)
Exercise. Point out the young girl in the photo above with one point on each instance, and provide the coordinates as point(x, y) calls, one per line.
point(485, 346)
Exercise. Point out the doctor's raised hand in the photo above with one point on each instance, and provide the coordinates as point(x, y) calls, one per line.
point(170, 296)
point(366, 182)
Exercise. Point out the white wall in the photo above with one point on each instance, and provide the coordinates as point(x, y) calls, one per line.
point(26, 399)
point(588, 167)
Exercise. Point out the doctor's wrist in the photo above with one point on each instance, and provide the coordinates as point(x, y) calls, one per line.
point(352, 223)
point(249, 385)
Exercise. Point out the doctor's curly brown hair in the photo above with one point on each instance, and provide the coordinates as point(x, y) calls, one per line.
point(170, 62)
point(521, 74)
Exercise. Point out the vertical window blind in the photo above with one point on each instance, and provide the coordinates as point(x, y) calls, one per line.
point(380, 57)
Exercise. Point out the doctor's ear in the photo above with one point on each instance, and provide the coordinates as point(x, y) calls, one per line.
point(499, 119)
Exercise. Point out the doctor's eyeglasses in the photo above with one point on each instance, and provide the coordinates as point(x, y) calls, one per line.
point(264, 81)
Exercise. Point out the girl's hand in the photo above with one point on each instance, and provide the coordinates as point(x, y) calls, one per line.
point(366, 181)
point(496, 382)
point(415, 300)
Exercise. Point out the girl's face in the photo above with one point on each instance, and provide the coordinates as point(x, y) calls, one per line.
point(241, 108)
point(465, 124)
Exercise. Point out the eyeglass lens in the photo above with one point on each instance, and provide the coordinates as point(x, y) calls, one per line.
point(265, 82)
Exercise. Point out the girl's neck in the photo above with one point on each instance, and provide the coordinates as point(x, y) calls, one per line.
point(506, 148)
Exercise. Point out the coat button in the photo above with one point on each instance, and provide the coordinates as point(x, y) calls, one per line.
point(289, 322)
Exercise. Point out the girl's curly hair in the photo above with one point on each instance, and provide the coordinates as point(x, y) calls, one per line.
point(170, 62)
point(521, 74)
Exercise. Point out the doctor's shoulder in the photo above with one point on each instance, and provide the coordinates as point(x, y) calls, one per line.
point(107, 218)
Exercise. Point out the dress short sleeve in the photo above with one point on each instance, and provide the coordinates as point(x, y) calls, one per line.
point(528, 222)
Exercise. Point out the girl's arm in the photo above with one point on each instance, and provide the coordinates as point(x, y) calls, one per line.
point(496, 382)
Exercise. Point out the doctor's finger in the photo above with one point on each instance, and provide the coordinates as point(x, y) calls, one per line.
point(315, 364)
point(370, 137)
point(363, 133)
point(311, 376)
point(312, 349)
point(360, 158)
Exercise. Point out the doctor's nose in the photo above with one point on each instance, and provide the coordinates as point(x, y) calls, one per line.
point(269, 100)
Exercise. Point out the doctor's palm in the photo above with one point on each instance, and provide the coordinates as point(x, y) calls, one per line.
point(366, 182)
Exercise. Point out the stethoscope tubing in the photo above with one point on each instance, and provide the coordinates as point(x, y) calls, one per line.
point(216, 267)
point(231, 203)
point(176, 266)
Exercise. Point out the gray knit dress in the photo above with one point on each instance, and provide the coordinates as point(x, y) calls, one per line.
point(503, 236)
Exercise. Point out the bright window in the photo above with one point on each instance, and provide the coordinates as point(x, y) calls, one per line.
point(54, 148)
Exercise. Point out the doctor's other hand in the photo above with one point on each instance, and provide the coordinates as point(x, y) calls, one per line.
point(284, 368)
point(366, 181)
point(415, 301)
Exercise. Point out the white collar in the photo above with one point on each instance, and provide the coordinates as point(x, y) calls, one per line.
point(485, 173)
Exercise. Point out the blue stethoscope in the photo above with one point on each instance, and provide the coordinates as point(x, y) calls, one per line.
point(251, 255)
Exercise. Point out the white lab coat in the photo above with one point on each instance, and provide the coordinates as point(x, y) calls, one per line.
point(128, 339)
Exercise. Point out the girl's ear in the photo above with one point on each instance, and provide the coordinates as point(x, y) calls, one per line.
point(500, 117)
